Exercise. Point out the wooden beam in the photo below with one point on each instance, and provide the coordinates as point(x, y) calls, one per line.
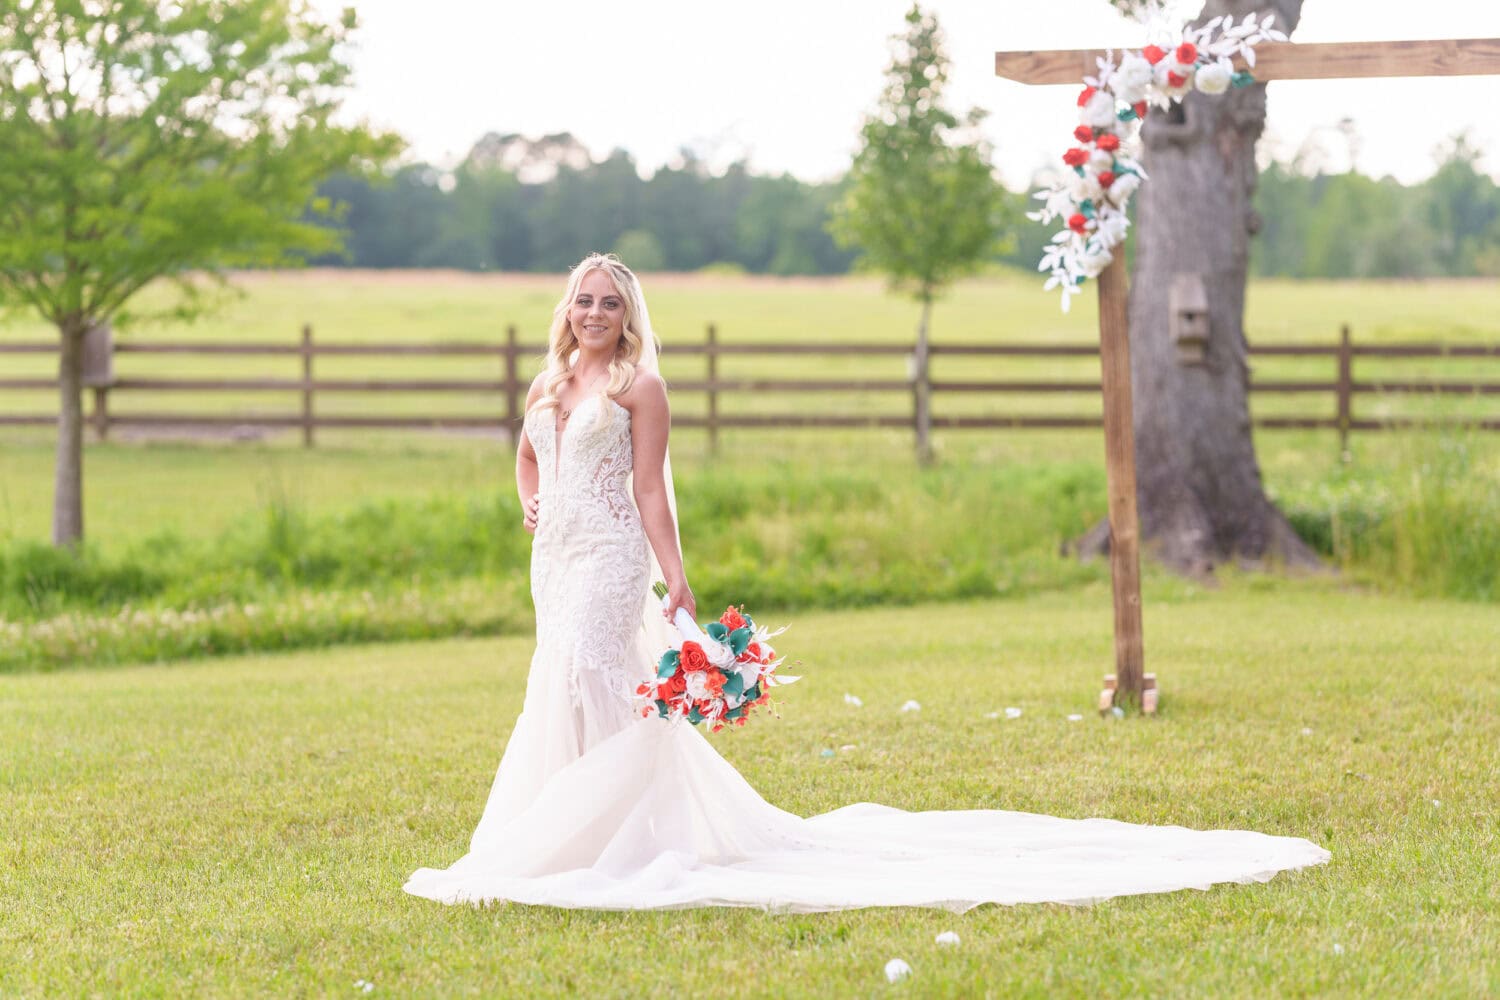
point(1119, 462)
point(1290, 61)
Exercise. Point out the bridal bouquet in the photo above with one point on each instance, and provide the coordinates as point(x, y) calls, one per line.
point(717, 674)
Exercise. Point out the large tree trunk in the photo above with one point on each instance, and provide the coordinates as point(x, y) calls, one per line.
point(67, 491)
point(1199, 485)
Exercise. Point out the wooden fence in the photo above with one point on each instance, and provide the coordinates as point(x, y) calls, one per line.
point(507, 357)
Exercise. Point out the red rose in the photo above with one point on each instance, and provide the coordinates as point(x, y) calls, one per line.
point(1175, 79)
point(677, 683)
point(1140, 109)
point(1109, 142)
point(1076, 157)
point(1083, 98)
point(664, 690)
point(1106, 178)
point(1083, 134)
point(693, 657)
point(1187, 54)
point(1078, 222)
point(1154, 54)
point(751, 653)
point(732, 619)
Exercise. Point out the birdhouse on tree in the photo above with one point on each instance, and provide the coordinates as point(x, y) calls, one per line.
point(1188, 302)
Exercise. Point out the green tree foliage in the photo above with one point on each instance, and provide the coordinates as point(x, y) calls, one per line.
point(145, 139)
point(1352, 226)
point(922, 204)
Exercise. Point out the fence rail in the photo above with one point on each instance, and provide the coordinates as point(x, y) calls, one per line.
point(918, 385)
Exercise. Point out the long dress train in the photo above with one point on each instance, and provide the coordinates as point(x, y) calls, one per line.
point(595, 807)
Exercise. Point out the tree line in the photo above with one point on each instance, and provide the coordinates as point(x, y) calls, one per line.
point(516, 204)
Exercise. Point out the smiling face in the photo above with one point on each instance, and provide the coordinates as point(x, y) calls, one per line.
point(597, 314)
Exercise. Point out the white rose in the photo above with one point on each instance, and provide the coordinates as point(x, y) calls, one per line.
point(1100, 161)
point(718, 654)
point(1123, 187)
point(1085, 187)
point(1094, 260)
point(1213, 78)
point(697, 684)
point(1112, 227)
point(1132, 78)
point(1099, 112)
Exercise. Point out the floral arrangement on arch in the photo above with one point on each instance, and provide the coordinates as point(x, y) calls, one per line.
point(1092, 197)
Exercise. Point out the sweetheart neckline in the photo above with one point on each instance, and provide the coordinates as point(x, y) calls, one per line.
point(559, 437)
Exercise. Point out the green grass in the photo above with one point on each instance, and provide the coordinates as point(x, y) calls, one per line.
point(242, 827)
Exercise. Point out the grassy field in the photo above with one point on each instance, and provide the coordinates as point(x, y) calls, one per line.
point(242, 827)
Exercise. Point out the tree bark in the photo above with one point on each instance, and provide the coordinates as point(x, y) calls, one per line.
point(67, 490)
point(1200, 493)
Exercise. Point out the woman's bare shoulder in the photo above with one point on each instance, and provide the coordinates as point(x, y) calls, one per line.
point(647, 388)
point(538, 384)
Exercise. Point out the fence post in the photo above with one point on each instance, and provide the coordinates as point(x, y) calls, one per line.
point(1345, 390)
point(921, 391)
point(711, 353)
point(101, 412)
point(307, 385)
point(98, 373)
point(512, 405)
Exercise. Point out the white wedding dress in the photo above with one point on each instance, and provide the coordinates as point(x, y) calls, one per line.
point(596, 807)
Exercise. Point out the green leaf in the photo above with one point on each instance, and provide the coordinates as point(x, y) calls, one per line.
point(718, 631)
point(734, 685)
point(739, 639)
point(668, 665)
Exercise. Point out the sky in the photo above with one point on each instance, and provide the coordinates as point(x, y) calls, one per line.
point(786, 83)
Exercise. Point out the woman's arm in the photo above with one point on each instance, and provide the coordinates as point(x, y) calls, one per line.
point(651, 420)
point(528, 477)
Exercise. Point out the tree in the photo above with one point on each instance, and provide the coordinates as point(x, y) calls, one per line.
point(1199, 488)
point(922, 203)
point(146, 140)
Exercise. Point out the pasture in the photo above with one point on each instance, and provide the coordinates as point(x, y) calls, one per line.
point(190, 822)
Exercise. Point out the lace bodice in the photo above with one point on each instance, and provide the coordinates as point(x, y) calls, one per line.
point(589, 558)
point(586, 486)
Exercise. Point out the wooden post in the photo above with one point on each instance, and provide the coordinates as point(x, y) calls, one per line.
point(1345, 390)
point(101, 412)
point(1119, 457)
point(921, 392)
point(711, 354)
point(307, 386)
point(512, 388)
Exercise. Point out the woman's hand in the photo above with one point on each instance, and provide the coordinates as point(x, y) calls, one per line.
point(529, 509)
point(680, 595)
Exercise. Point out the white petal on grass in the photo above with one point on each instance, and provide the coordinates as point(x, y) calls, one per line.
point(1338, 949)
point(1012, 713)
point(1075, 718)
point(912, 706)
point(896, 969)
point(947, 938)
point(852, 699)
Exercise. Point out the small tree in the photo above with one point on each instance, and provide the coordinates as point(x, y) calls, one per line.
point(922, 205)
point(147, 139)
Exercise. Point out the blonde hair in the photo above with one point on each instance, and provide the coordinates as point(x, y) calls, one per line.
point(562, 342)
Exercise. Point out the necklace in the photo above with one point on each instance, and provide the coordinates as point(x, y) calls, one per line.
point(566, 413)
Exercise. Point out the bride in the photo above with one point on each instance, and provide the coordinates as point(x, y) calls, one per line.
point(595, 806)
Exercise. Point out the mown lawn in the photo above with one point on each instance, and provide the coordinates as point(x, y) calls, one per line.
point(243, 826)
